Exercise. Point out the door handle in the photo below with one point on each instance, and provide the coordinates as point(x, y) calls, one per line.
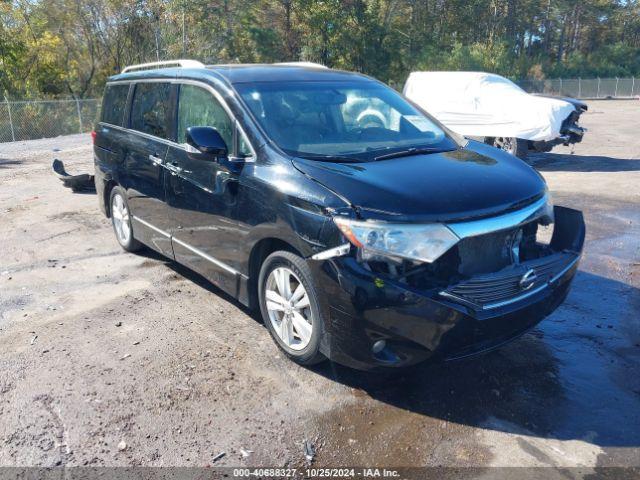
point(155, 160)
point(174, 168)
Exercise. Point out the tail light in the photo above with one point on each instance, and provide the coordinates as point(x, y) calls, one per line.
point(93, 136)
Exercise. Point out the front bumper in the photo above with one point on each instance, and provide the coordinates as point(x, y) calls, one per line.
point(570, 133)
point(364, 308)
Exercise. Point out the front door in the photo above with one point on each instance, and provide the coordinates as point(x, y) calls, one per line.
point(202, 192)
point(147, 146)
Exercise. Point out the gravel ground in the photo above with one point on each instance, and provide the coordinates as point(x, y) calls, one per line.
point(114, 359)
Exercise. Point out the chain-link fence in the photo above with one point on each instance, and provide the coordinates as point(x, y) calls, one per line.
point(31, 119)
point(591, 88)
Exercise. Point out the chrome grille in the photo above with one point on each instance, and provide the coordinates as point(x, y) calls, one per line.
point(503, 287)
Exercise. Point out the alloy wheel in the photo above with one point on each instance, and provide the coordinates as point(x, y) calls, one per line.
point(505, 143)
point(121, 222)
point(288, 306)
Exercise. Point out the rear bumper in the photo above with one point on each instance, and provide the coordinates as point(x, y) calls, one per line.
point(100, 181)
point(417, 325)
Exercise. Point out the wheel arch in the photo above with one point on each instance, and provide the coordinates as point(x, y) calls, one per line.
point(108, 187)
point(259, 252)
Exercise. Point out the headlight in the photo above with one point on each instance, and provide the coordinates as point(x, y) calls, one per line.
point(424, 243)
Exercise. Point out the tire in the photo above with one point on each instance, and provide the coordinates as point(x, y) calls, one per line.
point(301, 347)
point(515, 146)
point(121, 220)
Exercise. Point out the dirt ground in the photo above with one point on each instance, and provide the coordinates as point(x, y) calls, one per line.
point(115, 359)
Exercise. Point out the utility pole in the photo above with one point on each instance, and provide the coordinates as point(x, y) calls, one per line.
point(184, 36)
point(13, 133)
point(79, 115)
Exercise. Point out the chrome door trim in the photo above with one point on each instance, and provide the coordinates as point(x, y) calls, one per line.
point(209, 258)
point(191, 248)
point(152, 227)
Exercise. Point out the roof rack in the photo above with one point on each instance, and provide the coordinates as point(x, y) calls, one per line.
point(163, 64)
point(302, 64)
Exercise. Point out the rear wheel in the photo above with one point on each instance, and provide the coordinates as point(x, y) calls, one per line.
point(290, 308)
point(121, 220)
point(515, 146)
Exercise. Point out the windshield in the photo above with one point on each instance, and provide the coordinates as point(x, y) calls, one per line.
point(341, 121)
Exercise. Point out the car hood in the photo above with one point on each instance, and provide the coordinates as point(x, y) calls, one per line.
point(476, 181)
point(578, 104)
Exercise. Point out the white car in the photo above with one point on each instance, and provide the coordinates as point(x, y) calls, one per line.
point(495, 110)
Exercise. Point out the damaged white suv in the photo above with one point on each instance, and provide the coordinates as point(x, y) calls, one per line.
point(493, 109)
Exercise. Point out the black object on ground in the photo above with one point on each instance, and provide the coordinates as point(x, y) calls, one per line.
point(78, 183)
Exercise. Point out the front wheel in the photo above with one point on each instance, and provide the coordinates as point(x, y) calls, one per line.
point(290, 307)
point(515, 146)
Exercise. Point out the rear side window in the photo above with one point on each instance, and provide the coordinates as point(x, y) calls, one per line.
point(114, 104)
point(150, 110)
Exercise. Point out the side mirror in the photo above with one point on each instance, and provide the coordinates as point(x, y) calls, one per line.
point(207, 140)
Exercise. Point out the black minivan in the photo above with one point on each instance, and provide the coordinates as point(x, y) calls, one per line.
point(363, 230)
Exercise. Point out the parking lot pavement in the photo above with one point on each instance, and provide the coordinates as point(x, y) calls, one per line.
point(110, 358)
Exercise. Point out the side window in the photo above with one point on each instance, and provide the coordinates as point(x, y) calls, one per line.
point(244, 150)
point(199, 108)
point(114, 104)
point(151, 106)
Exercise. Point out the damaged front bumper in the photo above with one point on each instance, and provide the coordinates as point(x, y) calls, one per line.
point(379, 321)
point(570, 133)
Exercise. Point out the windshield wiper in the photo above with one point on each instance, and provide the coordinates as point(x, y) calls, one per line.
point(331, 158)
point(412, 151)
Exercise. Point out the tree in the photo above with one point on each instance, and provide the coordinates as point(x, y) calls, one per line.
point(69, 47)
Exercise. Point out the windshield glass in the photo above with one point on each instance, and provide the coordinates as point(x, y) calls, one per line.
point(341, 121)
